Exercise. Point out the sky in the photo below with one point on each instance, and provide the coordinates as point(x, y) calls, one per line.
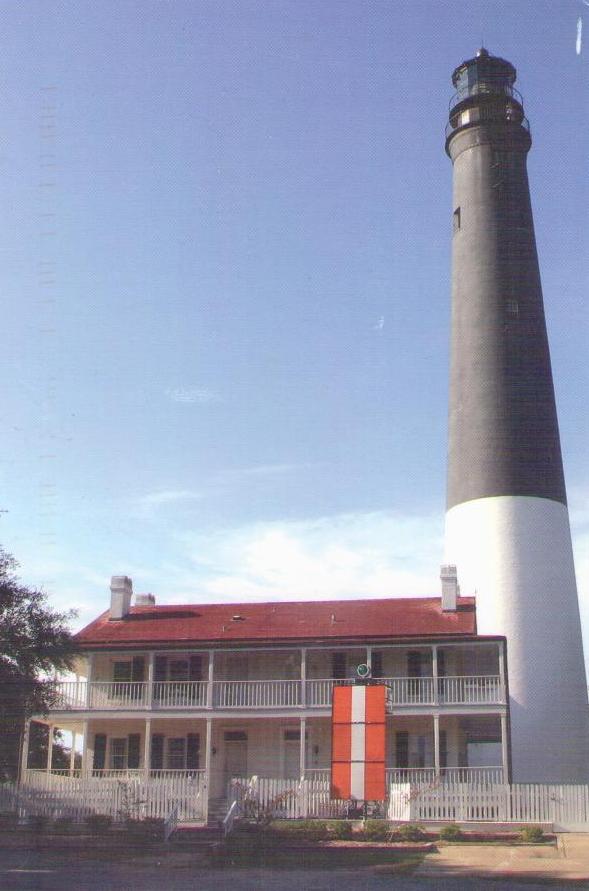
point(225, 276)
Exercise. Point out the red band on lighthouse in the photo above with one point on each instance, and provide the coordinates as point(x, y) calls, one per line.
point(358, 743)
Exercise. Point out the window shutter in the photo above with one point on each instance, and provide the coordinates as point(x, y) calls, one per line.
point(193, 751)
point(157, 751)
point(441, 663)
point(443, 748)
point(160, 668)
point(402, 748)
point(133, 751)
point(376, 665)
point(195, 671)
point(138, 669)
point(99, 751)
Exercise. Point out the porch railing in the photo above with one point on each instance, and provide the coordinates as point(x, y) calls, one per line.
point(426, 776)
point(277, 693)
point(256, 694)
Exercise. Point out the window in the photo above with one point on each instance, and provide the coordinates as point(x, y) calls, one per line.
point(178, 669)
point(176, 759)
point(512, 307)
point(235, 736)
point(338, 665)
point(456, 220)
point(121, 672)
point(118, 753)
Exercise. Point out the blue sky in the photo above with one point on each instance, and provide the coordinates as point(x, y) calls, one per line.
point(225, 272)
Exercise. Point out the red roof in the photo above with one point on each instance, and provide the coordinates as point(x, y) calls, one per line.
point(278, 622)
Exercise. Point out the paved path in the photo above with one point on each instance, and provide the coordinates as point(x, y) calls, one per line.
point(569, 861)
point(454, 868)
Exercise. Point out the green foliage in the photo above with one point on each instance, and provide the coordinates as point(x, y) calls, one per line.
point(532, 834)
point(63, 824)
point(451, 832)
point(311, 830)
point(376, 830)
point(35, 641)
point(98, 823)
point(341, 829)
point(409, 832)
point(38, 822)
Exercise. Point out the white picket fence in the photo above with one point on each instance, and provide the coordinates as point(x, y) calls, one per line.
point(136, 797)
point(566, 807)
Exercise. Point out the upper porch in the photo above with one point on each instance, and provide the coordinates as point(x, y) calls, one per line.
point(444, 675)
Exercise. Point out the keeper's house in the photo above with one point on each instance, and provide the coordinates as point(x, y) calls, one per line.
point(211, 693)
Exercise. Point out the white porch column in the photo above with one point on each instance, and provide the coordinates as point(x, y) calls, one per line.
point(502, 671)
point(149, 697)
point(303, 748)
point(147, 749)
point(504, 748)
point(435, 672)
point(207, 782)
point(85, 765)
point(73, 754)
point(437, 744)
point(49, 747)
point(211, 678)
point(24, 756)
point(89, 678)
point(304, 677)
point(369, 657)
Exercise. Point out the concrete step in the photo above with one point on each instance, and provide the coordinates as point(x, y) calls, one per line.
point(195, 838)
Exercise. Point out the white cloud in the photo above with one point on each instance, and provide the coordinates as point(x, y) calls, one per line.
point(350, 555)
point(146, 506)
point(193, 395)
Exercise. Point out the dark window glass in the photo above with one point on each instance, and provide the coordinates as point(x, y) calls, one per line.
point(338, 665)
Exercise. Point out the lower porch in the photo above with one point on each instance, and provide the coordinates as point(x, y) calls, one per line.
point(145, 767)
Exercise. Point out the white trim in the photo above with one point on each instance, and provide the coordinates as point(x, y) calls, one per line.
point(358, 704)
point(357, 780)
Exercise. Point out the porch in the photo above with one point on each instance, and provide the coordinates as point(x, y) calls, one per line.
point(267, 694)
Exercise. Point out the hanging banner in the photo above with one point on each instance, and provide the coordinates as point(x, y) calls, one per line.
point(358, 742)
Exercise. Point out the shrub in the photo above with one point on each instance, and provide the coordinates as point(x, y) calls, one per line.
point(451, 832)
point(342, 829)
point(63, 824)
point(98, 823)
point(313, 830)
point(38, 822)
point(532, 834)
point(409, 832)
point(376, 830)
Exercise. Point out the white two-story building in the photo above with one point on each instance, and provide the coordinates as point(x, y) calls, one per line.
point(193, 697)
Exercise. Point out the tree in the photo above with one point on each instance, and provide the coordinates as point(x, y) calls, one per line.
point(35, 642)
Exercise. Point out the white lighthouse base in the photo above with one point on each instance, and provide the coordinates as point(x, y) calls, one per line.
point(514, 554)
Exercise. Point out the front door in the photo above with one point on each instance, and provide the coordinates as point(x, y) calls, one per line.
point(235, 763)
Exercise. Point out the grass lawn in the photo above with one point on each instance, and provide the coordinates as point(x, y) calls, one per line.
point(250, 851)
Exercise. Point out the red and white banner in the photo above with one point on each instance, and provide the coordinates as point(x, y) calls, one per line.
point(358, 742)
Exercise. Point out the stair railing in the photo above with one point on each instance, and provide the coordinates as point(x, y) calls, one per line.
point(171, 823)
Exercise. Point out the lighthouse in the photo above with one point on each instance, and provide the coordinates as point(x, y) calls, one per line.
point(507, 525)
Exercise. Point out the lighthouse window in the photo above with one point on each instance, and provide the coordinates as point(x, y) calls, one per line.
point(512, 307)
point(456, 220)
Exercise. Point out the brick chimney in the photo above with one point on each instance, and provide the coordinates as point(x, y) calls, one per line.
point(450, 588)
point(121, 591)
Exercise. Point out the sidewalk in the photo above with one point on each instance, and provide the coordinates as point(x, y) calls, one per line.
point(568, 861)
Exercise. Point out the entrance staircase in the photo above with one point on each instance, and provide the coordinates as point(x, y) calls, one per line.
point(218, 808)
